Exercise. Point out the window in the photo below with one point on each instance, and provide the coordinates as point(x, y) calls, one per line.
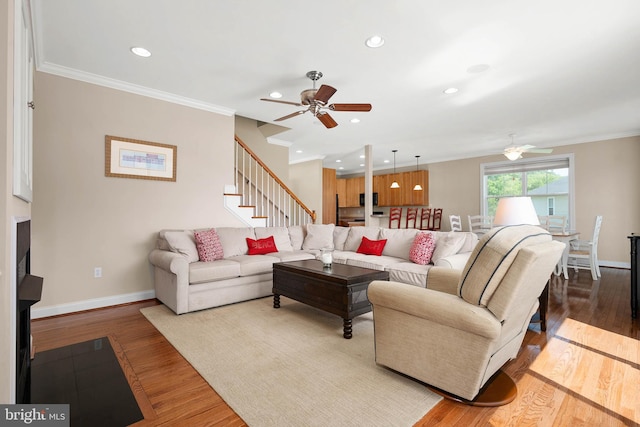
point(547, 180)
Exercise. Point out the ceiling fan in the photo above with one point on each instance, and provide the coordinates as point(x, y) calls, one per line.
point(514, 152)
point(316, 102)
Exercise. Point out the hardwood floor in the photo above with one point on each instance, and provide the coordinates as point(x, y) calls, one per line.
point(584, 371)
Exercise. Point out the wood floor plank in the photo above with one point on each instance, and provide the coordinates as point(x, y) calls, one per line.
point(584, 371)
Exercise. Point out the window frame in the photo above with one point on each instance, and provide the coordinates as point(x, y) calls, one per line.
point(520, 166)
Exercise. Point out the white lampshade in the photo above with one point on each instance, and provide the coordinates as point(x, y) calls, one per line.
point(514, 211)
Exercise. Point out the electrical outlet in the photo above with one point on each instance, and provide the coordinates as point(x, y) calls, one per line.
point(97, 272)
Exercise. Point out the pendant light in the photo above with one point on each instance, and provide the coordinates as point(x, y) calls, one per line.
point(417, 187)
point(394, 184)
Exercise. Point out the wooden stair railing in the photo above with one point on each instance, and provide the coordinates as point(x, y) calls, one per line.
point(261, 189)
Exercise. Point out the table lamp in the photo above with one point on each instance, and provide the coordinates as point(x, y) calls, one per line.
point(515, 211)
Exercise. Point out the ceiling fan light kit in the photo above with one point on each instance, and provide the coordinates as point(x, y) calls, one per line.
point(316, 102)
point(514, 152)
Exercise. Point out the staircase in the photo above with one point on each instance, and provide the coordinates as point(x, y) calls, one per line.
point(258, 197)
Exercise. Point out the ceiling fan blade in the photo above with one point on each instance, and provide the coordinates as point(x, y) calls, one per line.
point(327, 120)
point(350, 107)
point(538, 150)
point(297, 104)
point(288, 116)
point(324, 93)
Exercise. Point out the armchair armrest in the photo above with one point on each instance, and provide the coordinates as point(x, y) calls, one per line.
point(438, 307)
point(443, 279)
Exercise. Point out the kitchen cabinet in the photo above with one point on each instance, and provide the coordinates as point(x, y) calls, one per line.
point(341, 191)
point(329, 191)
point(349, 189)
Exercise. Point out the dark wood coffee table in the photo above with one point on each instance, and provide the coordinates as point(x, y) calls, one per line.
point(340, 290)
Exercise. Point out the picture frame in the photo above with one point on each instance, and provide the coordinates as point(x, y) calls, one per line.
point(132, 158)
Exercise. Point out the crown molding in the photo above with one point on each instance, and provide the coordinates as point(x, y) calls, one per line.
point(96, 79)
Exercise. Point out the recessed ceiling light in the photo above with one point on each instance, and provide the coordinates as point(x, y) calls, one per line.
point(362, 156)
point(374, 41)
point(276, 95)
point(140, 51)
point(338, 161)
point(450, 90)
point(478, 68)
point(355, 120)
point(340, 168)
point(361, 165)
point(386, 161)
point(298, 151)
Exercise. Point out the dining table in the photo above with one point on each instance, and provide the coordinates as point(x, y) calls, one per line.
point(565, 237)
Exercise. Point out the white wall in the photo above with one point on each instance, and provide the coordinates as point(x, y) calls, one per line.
point(606, 183)
point(83, 219)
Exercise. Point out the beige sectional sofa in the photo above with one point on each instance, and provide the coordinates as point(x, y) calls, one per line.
point(185, 284)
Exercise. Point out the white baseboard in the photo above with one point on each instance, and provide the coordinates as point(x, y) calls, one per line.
point(90, 304)
point(615, 264)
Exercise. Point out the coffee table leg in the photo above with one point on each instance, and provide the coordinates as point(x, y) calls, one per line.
point(276, 301)
point(347, 329)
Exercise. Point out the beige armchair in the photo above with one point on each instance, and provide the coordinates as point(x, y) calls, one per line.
point(459, 331)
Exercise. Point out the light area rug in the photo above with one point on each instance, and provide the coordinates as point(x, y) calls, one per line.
point(292, 367)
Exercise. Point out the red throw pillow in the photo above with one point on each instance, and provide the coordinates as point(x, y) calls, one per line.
point(208, 245)
point(371, 247)
point(261, 246)
point(422, 248)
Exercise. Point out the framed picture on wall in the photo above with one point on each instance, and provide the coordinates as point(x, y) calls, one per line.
point(132, 158)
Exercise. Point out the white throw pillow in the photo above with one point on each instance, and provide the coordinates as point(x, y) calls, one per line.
point(399, 241)
point(234, 240)
point(183, 242)
point(296, 236)
point(340, 235)
point(448, 245)
point(357, 233)
point(319, 236)
point(280, 236)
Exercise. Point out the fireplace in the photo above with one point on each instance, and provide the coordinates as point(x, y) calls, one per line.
point(28, 292)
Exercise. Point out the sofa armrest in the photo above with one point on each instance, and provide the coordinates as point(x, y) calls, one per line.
point(438, 307)
point(171, 262)
point(443, 279)
point(171, 279)
point(456, 261)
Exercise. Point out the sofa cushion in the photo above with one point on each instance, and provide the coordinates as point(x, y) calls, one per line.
point(251, 265)
point(233, 240)
point(319, 236)
point(409, 272)
point(261, 246)
point(448, 245)
point(371, 247)
point(208, 245)
point(399, 241)
point(280, 236)
point(202, 272)
point(182, 242)
point(422, 248)
point(357, 233)
point(292, 255)
point(296, 235)
point(340, 235)
point(492, 257)
point(373, 262)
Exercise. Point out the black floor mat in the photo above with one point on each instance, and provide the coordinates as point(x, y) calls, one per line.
point(88, 377)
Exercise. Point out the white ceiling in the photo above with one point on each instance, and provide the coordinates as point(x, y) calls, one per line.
point(560, 71)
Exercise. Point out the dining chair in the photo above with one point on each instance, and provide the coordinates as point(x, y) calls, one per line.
point(456, 222)
point(412, 218)
point(480, 224)
point(425, 218)
point(557, 223)
point(394, 217)
point(584, 253)
point(436, 219)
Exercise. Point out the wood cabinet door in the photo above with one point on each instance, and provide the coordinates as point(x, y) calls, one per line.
point(416, 197)
point(341, 190)
point(329, 188)
point(355, 186)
